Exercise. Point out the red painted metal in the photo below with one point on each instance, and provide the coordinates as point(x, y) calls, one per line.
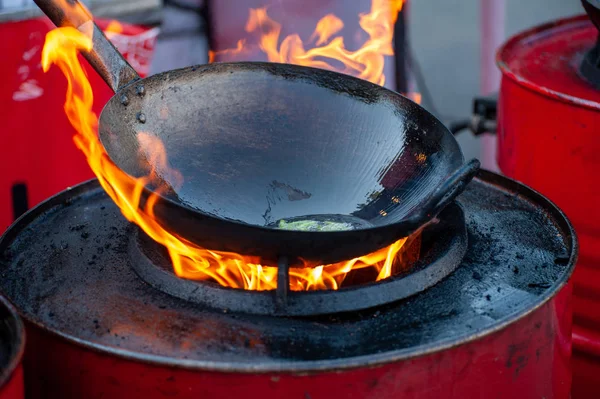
point(44, 158)
point(13, 388)
point(548, 137)
point(12, 346)
point(529, 358)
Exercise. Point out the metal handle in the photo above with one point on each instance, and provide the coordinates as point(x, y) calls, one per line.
point(447, 192)
point(104, 57)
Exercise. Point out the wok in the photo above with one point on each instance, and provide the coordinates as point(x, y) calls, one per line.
point(263, 145)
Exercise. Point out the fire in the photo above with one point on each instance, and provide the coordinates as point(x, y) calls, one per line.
point(326, 51)
point(228, 269)
point(113, 28)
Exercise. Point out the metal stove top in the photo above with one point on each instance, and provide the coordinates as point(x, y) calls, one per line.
point(65, 266)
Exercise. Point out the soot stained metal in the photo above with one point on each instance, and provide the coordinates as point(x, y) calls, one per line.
point(499, 324)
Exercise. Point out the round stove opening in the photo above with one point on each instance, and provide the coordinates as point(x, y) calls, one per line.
point(427, 257)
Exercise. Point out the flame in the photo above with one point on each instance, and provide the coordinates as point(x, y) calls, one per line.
point(113, 27)
point(327, 50)
point(228, 269)
point(416, 97)
point(327, 26)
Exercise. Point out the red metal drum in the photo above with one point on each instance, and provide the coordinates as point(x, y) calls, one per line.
point(549, 138)
point(528, 359)
point(498, 327)
point(12, 346)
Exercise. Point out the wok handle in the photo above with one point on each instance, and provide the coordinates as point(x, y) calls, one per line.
point(104, 57)
point(447, 192)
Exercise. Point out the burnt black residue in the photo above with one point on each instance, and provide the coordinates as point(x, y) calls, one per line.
point(562, 260)
point(279, 191)
point(292, 193)
point(86, 288)
point(517, 356)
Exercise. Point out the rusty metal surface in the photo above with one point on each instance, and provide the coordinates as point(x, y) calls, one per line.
point(65, 266)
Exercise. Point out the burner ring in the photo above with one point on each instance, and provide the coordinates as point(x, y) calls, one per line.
point(443, 247)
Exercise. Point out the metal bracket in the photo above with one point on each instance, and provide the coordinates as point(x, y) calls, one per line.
point(485, 115)
point(483, 118)
point(20, 200)
point(283, 283)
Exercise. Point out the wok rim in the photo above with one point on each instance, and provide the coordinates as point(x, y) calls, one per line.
point(408, 221)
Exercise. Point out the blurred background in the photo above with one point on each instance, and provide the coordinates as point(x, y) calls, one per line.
point(444, 59)
point(449, 49)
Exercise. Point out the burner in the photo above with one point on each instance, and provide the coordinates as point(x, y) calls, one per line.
point(443, 246)
point(501, 317)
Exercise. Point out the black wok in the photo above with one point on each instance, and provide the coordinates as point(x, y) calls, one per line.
point(258, 143)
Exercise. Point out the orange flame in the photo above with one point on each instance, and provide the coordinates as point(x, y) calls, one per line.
point(189, 261)
point(113, 29)
point(328, 51)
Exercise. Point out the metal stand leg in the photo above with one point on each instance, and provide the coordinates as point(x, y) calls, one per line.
point(283, 283)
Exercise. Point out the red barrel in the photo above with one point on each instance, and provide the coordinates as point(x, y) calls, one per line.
point(499, 327)
point(521, 360)
point(12, 345)
point(37, 155)
point(549, 138)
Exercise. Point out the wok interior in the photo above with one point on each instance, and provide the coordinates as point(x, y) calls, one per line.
point(258, 143)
